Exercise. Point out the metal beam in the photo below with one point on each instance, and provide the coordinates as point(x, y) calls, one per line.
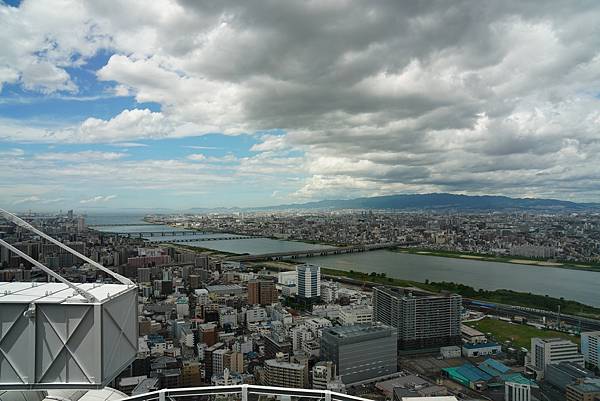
point(49, 271)
point(22, 223)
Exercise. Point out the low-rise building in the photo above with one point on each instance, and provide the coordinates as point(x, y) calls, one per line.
point(480, 349)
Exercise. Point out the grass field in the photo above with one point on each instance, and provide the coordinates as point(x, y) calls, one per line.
point(519, 334)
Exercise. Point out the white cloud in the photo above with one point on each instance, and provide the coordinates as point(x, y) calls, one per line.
point(85, 156)
point(372, 97)
point(196, 157)
point(29, 199)
point(98, 199)
point(129, 145)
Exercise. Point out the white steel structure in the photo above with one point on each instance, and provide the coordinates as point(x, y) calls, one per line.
point(242, 393)
point(65, 335)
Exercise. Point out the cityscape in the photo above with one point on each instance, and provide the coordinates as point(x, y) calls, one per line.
point(299, 200)
point(207, 317)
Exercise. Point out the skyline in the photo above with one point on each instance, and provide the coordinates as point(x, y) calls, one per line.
point(193, 104)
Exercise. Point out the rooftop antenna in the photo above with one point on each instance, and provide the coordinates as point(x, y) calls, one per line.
point(22, 223)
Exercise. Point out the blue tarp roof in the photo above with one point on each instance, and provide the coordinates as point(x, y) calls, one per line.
point(473, 373)
point(493, 367)
point(479, 345)
point(517, 378)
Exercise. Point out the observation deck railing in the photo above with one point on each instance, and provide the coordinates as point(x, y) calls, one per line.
point(244, 392)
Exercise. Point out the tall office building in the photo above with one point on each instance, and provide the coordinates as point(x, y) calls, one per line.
point(590, 348)
point(423, 322)
point(547, 351)
point(262, 292)
point(309, 281)
point(360, 352)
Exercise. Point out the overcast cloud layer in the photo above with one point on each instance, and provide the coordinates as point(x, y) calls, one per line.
point(334, 98)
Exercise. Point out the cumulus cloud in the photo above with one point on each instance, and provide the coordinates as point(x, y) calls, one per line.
point(370, 97)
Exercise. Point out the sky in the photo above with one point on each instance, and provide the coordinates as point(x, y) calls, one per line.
point(181, 104)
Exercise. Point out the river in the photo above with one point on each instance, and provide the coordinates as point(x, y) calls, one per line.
point(578, 285)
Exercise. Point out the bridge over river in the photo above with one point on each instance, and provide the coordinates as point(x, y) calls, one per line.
point(307, 253)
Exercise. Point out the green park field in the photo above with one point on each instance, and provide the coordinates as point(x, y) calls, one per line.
point(520, 335)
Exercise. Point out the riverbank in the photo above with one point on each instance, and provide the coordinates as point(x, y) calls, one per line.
point(503, 296)
point(502, 259)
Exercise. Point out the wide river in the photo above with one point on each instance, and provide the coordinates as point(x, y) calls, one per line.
point(579, 285)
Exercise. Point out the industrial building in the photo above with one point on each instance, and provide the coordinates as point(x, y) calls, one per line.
point(424, 322)
point(560, 375)
point(480, 349)
point(360, 352)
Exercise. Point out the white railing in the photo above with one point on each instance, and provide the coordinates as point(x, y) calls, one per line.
point(243, 391)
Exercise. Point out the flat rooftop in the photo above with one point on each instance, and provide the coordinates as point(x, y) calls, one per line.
point(356, 330)
point(58, 293)
point(403, 293)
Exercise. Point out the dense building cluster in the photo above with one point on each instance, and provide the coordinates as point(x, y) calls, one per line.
point(207, 321)
point(569, 237)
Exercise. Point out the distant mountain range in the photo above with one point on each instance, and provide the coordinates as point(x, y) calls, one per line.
point(432, 202)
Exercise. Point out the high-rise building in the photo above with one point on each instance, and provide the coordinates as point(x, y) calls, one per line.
point(209, 364)
point(280, 373)
point(546, 351)
point(423, 321)
point(309, 281)
point(360, 352)
point(262, 292)
point(143, 275)
point(590, 348)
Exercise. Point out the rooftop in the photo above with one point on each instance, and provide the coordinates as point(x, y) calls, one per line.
point(402, 293)
point(479, 345)
point(588, 385)
point(356, 330)
point(58, 293)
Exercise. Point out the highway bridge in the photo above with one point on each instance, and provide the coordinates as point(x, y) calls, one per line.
point(143, 234)
point(120, 225)
point(179, 240)
point(307, 253)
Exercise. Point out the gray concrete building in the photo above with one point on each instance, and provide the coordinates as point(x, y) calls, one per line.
point(560, 375)
point(360, 352)
point(423, 321)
